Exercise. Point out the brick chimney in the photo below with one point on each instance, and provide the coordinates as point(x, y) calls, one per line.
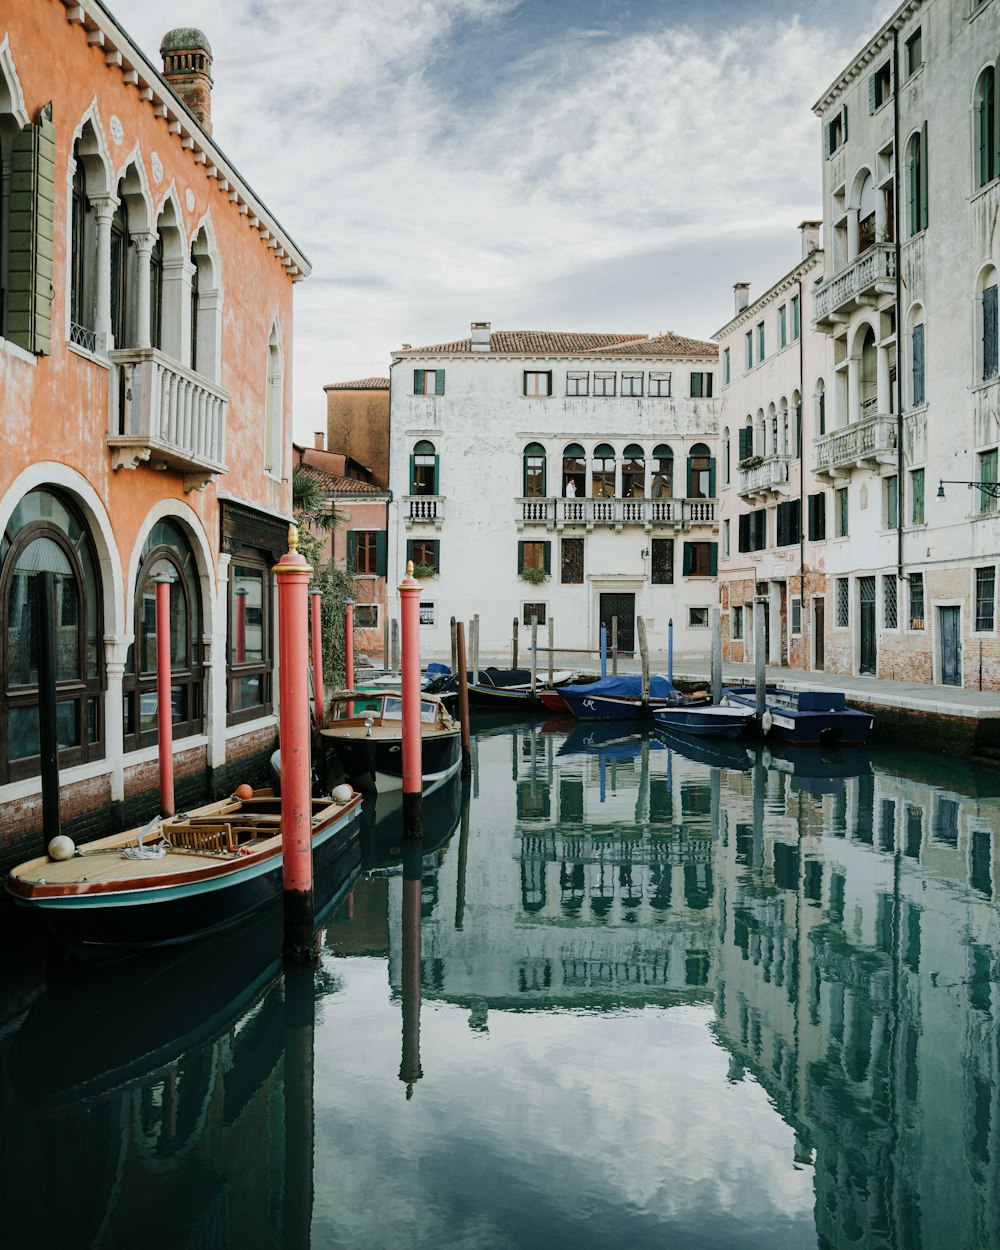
point(480, 336)
point(187, 67)
point(741, 292)
point(809, 230)
point(319, 440)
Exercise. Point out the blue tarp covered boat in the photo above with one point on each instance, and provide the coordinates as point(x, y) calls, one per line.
point(808, 716)
point(619, 698)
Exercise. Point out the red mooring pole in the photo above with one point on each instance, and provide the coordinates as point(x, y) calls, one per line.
point(292, 573)
point(409, 612)
point(164, 702)
point(317, 644)
point(349, 650)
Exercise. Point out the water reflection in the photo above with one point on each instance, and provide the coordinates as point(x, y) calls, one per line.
point(771, 978)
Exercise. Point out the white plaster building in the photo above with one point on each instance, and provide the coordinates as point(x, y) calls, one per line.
point(583, 461)
point(911, 192)
point(774, 516)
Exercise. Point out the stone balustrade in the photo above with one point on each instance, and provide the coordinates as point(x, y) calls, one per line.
point(872, 272)
point(873, 439)
point(765, 478)
point(557, 512)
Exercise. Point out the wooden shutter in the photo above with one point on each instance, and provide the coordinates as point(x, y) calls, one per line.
point(352, 551)
point(985, 113)
point(418, 381)
point(828, 137)
point(711, 478)
point(923, 177)
point(520, 557)
point(843, 114)
point(989, 332)
point(872, 94)
point(995, 104)
point(744, 538)
point(409, 550)
point(918, 365)
point(746, 442)
point(713, 559)
point(688, 558)
point(547, 555)
point(381, 553)
point(31, 231)
point(708, 385)
point(437, 466)
point(690, 479)
point(782, 535)
point(435, 554)
point(548, 375)
point(438, 381)
point(413, 479)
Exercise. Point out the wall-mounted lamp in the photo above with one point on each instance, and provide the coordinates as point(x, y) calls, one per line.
point(988, 488)
point(644, 553)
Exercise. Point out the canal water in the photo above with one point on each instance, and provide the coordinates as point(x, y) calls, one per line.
point(627, 993)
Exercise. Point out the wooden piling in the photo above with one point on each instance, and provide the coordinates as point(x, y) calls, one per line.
point(454, 647)
point(410, 1070)
point(534, 654)
point(475, 649)
point(604, 651)
point(298, 1103)
point(670, 651)
point(614, 646)
point(716, 662)
point(463, 698)
point(48, 734)
point(759, 659)
point(644, 658)
point(513, 662)
point(409, 597)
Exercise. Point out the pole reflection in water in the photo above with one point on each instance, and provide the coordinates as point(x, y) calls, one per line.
point(410, 1070)
point(298, 1074)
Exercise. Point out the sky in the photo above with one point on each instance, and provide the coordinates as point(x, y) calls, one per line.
point(605, 165)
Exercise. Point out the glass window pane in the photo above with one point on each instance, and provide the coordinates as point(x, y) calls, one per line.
point(248, 616)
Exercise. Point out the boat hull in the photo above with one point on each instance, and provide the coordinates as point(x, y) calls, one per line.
point(117, 923)
point(375, 765)
point(810, 719)
point(707, 722)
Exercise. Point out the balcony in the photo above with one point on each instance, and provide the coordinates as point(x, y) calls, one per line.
point(555, 513)
point(868, 442)
point(868, 276)
point(423, 510)
point(167, 416)
point(768, 477)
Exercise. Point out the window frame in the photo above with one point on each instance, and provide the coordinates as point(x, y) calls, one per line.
point(237, 672)
point(980, 625)
point(659, 386)
point(564, 562)
point(533, 380)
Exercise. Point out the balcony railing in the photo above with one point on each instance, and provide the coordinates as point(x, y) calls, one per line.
point(557, 512)
point(423, 509)
point(871, 273)
point(858, 445)
point(168, 416)
point(768, 477)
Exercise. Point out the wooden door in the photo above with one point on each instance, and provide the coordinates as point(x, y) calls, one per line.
point(866, 595)
point(819, 634)
point(951, 646)
point(621, 606)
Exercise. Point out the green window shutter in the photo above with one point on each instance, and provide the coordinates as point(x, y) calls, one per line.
point(994, 104)
point(524, 382)
point(923, 177)
point(31, 230)
point(984, 137)
point(437, 465)
point(413, 479)
point(843, 113)
point(409, 550)
point(381, 553)
point(713, 559)
point(352, 551)
point(828, 139)
point(872, 94)
point(436, 554)
point(524, 476)
point(520, 557)
point(746, 442)
point(690, 479)
point(711, 478)
point(688, 559)
point(418, 381)
point(548, 375)
point(708, 385)
point(914, 189)
point(545, 476)
point(547, 551)
point(439, 382)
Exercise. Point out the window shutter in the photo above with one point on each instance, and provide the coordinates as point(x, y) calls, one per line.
point(435, 547)
point(843, 114)
point(711, 478)
point(690, 478)
point(918, 497)
point(708, 385)
point(782, 536)
point(418, 381)
point(381, 553)
point(923, 177)
point(688, 559)
point(828, 136)
point(713, 559)
point(549, 377)
point(744, 539)
point(520, 557)
point(872, 96)
point(914, 181)
point(918, 365)
point(989, 332)
point(409, 550)
point(995, 106)
point(437, 465)
point(352, 551)
point(413, 479)
point(746, 442)
point(439, 382)
point(985, 109)
point(31, 217)
point(547, 552)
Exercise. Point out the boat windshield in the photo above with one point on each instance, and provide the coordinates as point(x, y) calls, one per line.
point(393, 710)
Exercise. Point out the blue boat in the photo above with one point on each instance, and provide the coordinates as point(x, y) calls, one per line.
point(708, 721)
point(619, 698)
point(807, 717)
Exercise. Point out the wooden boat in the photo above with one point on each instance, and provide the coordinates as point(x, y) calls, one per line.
point(178, 878)
point(807, 716)
point(704, 721)
point(620, 698)
point(509, 689)
point(365, 729)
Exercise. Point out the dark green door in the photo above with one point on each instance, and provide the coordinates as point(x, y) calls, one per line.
point(866, 594)
point(951, 646)
point(623, 607)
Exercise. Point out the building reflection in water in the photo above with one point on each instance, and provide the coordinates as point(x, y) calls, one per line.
point(837, 914)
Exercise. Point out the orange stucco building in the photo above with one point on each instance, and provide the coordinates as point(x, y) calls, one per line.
point(145, 418)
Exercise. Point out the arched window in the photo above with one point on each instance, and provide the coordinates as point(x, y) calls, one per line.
point(46, 534)
point(574, 470)
point(194, 312)
point(633, 472)
point(700, 473)
point(916, 167)
point(120, 275)
point(868, 379)
point(662, 480)
point(89, 182)
point(820, 398)
point(424, 469)
point(167, 550)
point(156, 293)
point(918, 386)
point(772, 431)
point(274, 410)
point(986, 127)
point(602, 473)
point(534, 471)
point(726, 455)
point(206, 305)
point(866, 214)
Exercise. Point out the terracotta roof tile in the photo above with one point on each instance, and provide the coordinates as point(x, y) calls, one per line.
point(360, 384)
point(337, 483)
point(550, 342)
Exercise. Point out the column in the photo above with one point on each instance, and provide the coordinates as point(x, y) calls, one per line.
point(115, 651)
point(143, 244)
point(853, 390)
point(104, 207)
point(882, 386)
point(852, 234)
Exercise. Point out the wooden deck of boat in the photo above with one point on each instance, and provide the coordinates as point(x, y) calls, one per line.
point(111, 865)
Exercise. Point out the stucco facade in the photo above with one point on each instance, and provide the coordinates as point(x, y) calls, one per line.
point(146, 405)
point(526, 483)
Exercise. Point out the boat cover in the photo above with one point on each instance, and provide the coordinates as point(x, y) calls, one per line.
point(625, 686)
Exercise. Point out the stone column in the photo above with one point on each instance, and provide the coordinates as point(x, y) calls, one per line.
point(853, 390)
point(852, 234)
point(143, 250)
point(115, 652)
point(104, 207)
point(883, 389)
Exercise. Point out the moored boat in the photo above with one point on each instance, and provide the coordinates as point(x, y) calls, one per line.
point(620, 698)
point(807, 716)
point(509, 689)
point(178, 878)
point(707, 720)
point(365, 729)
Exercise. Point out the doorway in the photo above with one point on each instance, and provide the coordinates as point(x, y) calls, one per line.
point(621, 606)
point(949, 620)
point(866, 595)
point(819, 634)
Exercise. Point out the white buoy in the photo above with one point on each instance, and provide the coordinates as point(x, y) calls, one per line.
point(62, 847)
point(343, 793)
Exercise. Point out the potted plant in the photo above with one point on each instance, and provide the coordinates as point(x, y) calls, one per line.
point(423, 571)
point(534, 577)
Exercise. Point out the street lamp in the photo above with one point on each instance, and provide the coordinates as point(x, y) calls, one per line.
point(988, 488)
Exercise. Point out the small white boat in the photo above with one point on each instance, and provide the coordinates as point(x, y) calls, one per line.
point(707, 721)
